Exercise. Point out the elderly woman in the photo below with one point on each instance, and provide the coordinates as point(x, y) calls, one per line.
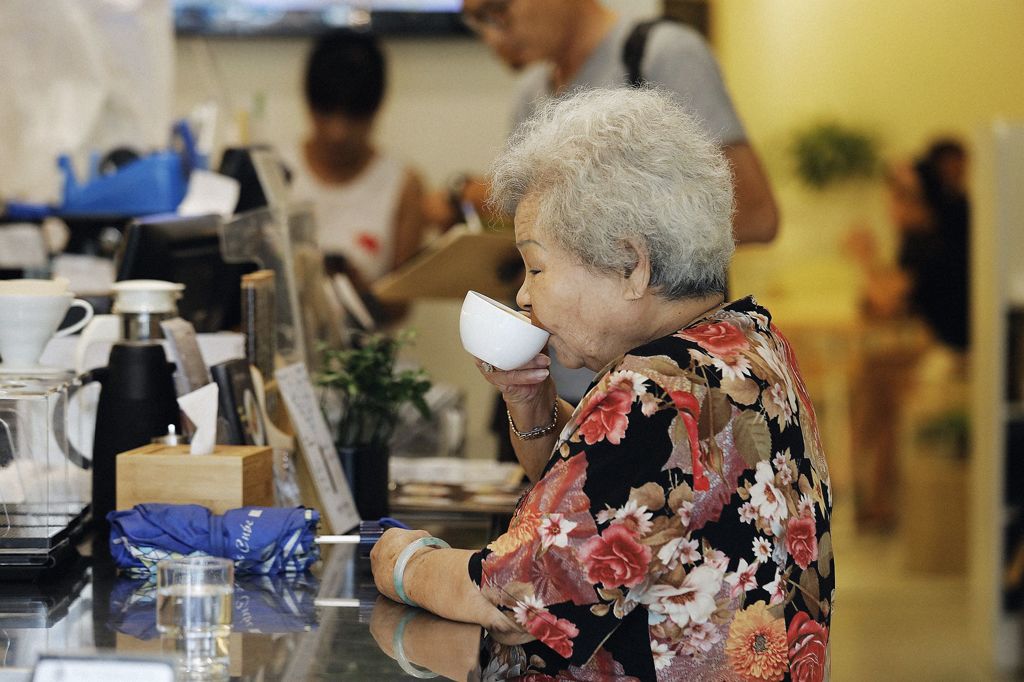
point(678, 523)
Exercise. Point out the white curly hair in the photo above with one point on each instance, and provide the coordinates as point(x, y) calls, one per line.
point(612, 165)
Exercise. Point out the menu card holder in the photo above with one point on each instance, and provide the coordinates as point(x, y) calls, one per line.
point(321, 461)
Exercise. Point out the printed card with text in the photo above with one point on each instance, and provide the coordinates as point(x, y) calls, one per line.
point(317, 446)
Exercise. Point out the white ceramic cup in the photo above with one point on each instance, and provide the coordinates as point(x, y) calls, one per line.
point(29, 321)
point(497, 334)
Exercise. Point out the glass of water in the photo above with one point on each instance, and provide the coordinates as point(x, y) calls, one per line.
point(193, 596)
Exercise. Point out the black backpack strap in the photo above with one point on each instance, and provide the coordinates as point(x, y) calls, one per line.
point(633, 51)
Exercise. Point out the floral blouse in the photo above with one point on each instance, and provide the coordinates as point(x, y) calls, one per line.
point(680, 530)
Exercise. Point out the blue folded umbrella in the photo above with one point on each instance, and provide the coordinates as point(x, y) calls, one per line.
point(260, 540)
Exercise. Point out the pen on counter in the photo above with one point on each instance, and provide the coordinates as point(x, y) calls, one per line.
point(369, 533)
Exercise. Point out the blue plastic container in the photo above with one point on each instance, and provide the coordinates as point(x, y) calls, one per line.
point(152, 184)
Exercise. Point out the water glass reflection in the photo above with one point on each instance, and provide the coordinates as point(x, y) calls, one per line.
point(204, 658)
point(193, 607)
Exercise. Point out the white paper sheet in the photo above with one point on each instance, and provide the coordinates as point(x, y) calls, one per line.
point(209, 192)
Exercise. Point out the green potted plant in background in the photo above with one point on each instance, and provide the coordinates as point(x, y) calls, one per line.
point(371, 392)
point(828, 153)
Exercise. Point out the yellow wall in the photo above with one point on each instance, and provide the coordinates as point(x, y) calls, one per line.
point(906, 70)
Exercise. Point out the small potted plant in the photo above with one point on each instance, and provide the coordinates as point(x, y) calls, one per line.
point(371, 392)
point(828, 153)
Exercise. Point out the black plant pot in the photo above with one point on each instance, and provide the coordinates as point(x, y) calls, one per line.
point(366, 470)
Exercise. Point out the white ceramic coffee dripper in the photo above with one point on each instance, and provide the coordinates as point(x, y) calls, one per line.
point(30, 312)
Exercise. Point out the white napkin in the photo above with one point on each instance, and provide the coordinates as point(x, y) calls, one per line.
point(200, 406)
point(209, 192)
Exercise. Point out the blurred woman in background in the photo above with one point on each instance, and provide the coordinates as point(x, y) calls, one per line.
point(366, 202)
point(928, 286)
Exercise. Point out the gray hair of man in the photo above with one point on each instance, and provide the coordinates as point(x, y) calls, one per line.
point(614, 166)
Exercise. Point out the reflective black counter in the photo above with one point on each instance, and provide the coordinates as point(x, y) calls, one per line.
point(309, 627)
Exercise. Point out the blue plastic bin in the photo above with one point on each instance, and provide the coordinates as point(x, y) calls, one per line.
point(152, 184)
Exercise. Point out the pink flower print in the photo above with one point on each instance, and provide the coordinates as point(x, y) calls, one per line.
point(765, 497)
point(615, 558)
point(554, 530)
point(717, 338)
point(802, 541)
point(776, 589)
point(607, 417)
point(744, 579)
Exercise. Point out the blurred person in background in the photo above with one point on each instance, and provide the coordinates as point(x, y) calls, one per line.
point(927, 285)
point(366, 202)
point(936, 258)
point(570, 45)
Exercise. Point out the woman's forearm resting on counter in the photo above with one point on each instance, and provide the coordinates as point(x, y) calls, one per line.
point(436, 580)
point(413, 636)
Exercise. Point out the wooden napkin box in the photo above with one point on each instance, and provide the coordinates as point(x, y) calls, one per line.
point(233, 476)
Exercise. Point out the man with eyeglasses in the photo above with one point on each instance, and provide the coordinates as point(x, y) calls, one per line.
point(572, 44)
point(566, 45)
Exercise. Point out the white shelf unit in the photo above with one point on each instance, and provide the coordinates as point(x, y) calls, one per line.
point(997, 266)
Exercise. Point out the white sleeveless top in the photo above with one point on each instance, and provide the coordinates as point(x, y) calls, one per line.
point(356, 219)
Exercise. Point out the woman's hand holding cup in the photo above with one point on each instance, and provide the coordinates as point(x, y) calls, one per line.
point(523, 385)
point(530, 397)
point(507, 347)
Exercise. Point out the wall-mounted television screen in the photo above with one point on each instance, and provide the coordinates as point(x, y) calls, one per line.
point(309, 17)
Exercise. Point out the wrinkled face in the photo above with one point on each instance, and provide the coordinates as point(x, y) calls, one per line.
point(583, 309)
point(344, 138)
point(521, 31)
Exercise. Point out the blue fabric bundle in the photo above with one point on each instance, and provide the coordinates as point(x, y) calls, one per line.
point(260, 540)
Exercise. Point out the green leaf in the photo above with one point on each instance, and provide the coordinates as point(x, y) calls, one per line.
point(753, 440)
point(809, 590)
point(825, 555)
point(715, 412)
point(829, 152)
point(370, 390)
